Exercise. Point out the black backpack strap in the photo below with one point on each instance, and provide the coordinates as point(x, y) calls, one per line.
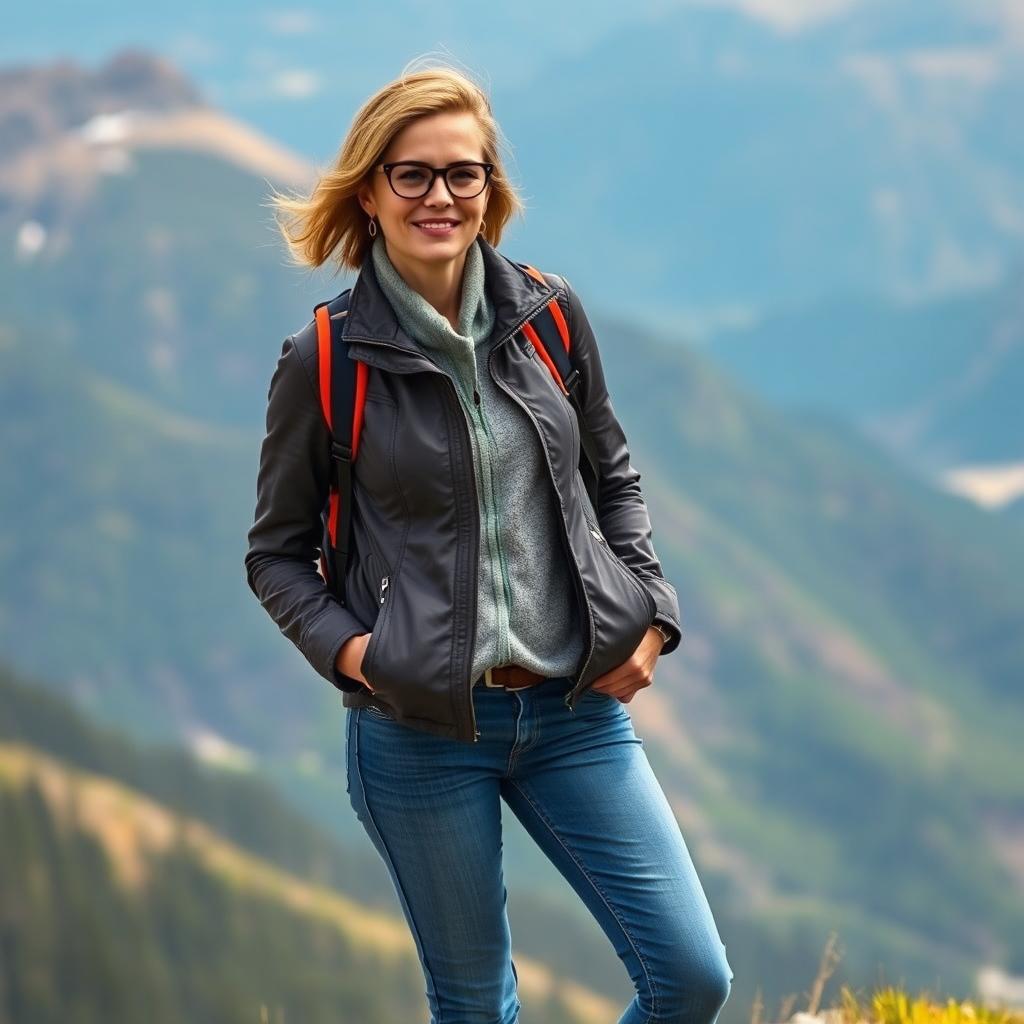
point(339, 390)
point(554, 337)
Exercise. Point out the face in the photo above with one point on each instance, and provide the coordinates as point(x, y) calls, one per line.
point(437, 140)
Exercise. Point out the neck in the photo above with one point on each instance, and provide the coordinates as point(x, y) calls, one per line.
point(439, 283)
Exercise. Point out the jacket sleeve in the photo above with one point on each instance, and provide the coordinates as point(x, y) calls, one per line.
point(291, 491)
point(623, 518)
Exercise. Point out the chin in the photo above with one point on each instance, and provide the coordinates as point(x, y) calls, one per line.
point(444, 249)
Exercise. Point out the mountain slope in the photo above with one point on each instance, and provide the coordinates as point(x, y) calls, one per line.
point(939, 384)
point(233, 932)
point(202, 892)
point(727, 169)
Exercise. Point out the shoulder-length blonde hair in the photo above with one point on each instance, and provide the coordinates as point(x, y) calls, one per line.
point(330, 220)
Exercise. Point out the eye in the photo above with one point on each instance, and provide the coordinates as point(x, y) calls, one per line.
point(412, 174)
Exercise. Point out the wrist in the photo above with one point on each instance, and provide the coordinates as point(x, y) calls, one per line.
point(662, 632)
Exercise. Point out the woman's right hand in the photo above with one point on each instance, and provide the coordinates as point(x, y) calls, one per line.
point(350, 658)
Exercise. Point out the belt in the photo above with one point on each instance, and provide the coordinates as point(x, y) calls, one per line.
point(511, 677)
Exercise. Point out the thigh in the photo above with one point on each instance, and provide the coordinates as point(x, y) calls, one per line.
point(589, 798)
point(434, 817)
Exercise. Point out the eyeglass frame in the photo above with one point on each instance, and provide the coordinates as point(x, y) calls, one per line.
point(434, 173)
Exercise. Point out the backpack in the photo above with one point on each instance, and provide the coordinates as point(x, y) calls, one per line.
point(343, 393)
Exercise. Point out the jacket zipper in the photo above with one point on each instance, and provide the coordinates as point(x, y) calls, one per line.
point(385, 579)
point(385, 582)
point(467, 443)
point(506, 590)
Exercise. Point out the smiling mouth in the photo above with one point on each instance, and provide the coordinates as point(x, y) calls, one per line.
point(436, 228)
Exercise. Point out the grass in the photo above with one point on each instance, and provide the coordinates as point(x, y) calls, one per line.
point(888, 1005)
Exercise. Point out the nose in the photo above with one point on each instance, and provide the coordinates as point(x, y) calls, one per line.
point(438, 190)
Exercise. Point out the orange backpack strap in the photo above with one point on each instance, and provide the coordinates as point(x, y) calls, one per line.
point(548, 334)
point(562, 368)
point(342, 397)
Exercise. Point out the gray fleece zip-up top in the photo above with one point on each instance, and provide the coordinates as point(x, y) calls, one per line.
point(527, 611)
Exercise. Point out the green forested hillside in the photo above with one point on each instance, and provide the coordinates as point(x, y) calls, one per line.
point(136, 884)
point(119, 543)
point(188, 943)
point(171, 281)
point(243, 808)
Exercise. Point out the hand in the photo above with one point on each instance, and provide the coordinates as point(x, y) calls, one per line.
point(350, 658)
point(635, 673)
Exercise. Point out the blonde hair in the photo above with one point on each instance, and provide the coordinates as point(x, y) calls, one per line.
point(330, 219)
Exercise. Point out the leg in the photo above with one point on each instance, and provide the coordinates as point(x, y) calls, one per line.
point(432, 809)
point(588, 796)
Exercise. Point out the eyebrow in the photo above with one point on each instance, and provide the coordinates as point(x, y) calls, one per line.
point(454, 163)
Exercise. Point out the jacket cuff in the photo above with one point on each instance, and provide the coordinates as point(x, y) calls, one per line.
point(666, 612)
point(674, 635)
point(324, 639)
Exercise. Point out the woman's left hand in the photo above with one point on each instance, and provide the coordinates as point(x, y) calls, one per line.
point(635, 673)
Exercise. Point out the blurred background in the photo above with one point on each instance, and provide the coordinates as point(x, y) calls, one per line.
point(798, 228)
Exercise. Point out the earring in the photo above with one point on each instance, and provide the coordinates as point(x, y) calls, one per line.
point(483, 227)
point(373, 228)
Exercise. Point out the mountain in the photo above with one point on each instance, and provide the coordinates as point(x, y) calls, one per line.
point(838, 734)
point(712, 160)
point(936, 383)
point(705, 167)
point(149, 177)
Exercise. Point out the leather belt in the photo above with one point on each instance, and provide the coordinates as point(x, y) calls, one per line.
point(511, 677)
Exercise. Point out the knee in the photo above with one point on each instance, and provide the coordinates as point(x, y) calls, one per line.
point(478, 1006)
point(694, 992)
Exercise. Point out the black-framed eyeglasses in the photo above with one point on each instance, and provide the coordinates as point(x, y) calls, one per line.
point(412, 179)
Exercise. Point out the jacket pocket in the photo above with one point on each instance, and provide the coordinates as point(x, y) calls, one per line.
point(381, 580)
point(621, 606)
point(626, 572)
point(601, 543)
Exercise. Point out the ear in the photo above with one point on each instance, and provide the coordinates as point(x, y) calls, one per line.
point(365, 196)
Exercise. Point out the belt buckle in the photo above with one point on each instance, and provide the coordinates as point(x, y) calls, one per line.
point(489, 681)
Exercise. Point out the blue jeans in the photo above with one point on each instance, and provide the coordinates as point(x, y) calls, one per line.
point(581, 784)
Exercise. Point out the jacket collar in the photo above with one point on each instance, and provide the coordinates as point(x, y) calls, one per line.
point(516, 296)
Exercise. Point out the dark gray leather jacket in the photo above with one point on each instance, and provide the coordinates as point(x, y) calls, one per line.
point(412, 573)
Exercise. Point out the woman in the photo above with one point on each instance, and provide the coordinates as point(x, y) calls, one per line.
point(495, 621)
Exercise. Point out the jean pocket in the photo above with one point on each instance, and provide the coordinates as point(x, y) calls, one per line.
point(598, 695)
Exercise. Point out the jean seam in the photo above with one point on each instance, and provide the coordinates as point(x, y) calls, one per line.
point(518, 749)
point(530, 744)
point(391, 863)
point(515, 975)
point(513, 753)
point(604, 899)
